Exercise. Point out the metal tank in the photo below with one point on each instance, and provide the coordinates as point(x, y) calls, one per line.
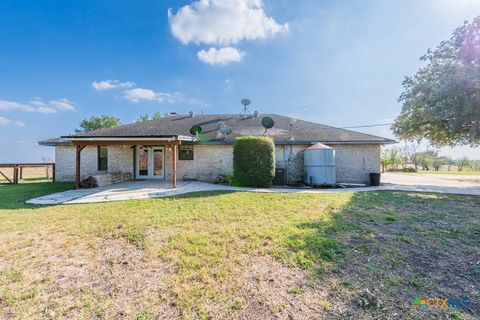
point(319, 164)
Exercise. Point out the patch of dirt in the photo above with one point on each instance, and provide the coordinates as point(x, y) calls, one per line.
point(270, 290)
point(109, 278)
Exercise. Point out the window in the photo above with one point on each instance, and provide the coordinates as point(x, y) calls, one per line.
point(102, 153)
point(185, 152)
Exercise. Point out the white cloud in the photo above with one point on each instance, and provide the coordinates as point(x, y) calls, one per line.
point(112, 84)
point(38, 105)
point(11, 105)
point(221, 56)
point(6, 122)
point(63, 104)
point(37, 101)
point(139, 94)
point(227, 85)
point(222, 22)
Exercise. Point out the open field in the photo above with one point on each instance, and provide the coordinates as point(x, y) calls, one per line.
point(460, 173)
point(238, 255)
point(30, 174)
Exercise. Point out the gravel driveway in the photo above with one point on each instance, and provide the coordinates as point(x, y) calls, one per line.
point(457, 184)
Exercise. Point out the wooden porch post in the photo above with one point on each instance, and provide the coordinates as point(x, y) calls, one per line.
point(174, 157)
point(79, 149)
point(53, 172)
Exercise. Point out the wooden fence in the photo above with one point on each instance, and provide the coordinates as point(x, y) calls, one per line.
point(17, 171)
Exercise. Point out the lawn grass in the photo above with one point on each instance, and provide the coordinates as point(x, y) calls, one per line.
point(14, 196)
point(237, 254)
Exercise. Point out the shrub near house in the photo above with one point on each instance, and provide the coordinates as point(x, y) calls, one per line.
point(254, 161)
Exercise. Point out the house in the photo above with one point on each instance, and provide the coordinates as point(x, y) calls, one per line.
point(196, 147)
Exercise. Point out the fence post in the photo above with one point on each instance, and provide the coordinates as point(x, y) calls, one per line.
point(53, 172)
point(15, 174)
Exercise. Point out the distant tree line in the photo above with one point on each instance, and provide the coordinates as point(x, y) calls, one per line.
point(410, 158)
point(104, 121)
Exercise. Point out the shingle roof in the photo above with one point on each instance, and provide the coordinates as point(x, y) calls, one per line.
point(55, 142)
point(300, 131)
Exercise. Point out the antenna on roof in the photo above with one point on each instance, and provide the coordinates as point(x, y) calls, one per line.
point(196, 130)
point(245, 111)
point(291, 132)
point(267, 123)
point(225, 130)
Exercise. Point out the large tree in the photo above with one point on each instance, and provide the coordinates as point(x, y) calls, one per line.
point(94, 123)
point(441, 102)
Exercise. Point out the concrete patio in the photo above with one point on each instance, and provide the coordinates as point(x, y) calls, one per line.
point(156, 189)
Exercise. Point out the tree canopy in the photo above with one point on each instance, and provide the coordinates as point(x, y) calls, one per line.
point(94, 123)
point(146, 117)
point(441, 102)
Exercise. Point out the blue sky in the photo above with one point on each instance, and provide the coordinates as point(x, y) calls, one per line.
point(339, 63)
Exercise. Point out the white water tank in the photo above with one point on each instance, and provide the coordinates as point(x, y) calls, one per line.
point(319, 163)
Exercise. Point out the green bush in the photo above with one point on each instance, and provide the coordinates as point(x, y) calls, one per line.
point(254, 161)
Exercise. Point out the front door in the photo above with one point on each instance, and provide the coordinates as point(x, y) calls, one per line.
point(150, 162)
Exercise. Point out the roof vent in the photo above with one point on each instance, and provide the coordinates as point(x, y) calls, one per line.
point(192, 114)
point(291, 138)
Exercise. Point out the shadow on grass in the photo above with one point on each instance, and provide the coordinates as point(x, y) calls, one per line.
point(399, 246)
point(37, 179)
point(203, 194)
point(14, 196)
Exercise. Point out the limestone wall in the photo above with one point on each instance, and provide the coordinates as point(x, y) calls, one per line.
point(120, 159)
point(353, 162)
point(209, 161)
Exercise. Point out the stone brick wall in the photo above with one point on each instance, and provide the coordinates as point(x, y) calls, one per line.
point(209, 161)
point(65, 162)
point(353, 162)
point(120, 159)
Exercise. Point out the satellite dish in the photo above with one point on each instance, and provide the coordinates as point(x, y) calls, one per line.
point(225, 130)
point(246, 102)
point(195, 130)
point(267, 123)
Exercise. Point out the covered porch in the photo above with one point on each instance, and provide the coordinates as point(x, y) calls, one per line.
point(148, 154)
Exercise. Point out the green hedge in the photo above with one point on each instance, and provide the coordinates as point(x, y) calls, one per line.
point(254, 161)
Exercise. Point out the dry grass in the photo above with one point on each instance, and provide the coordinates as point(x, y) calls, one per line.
point(238, 255)
point(30, 174)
